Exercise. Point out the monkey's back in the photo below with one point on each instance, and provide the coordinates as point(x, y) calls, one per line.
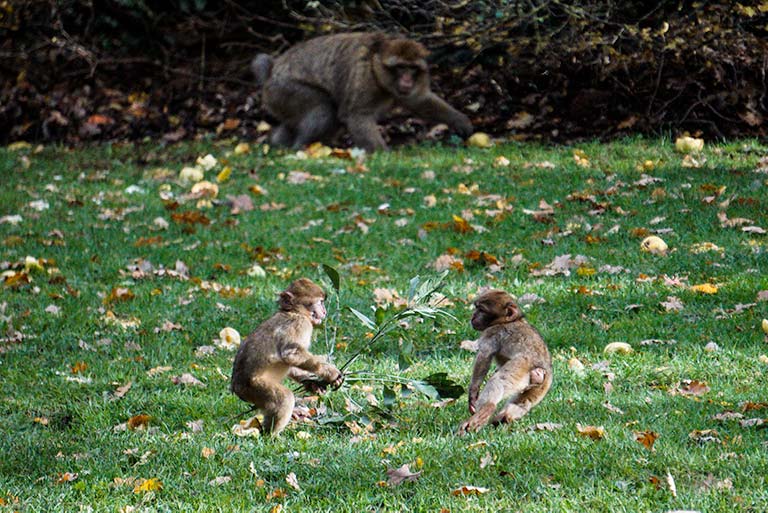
point(520, 338)
point(335, 63)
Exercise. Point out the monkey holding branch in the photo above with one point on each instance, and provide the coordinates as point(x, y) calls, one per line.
point(278, 348)
point(348, 80)
point(523, 373)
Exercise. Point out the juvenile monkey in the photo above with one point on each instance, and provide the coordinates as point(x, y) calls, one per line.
point(278, 348)
point(523, 373)
point(348, 80)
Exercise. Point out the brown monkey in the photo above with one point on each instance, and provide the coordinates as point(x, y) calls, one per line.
point(349, 80)
point(278, 348)
point(523, 373)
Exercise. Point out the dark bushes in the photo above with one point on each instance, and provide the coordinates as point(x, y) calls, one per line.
point(77, 69)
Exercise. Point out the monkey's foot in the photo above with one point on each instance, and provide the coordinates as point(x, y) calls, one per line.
point(509, 414)
point(478, 420)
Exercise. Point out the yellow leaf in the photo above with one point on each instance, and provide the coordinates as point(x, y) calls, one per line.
point(618, 347)
point(148, 485)
point(764, 325)
point(585, 271)
point(479, 140)
point(242, 148)
point(207, 452)
point(581, 158)
point(223, 175)
point(19, 145)
point(688, 144)
point(705, 288)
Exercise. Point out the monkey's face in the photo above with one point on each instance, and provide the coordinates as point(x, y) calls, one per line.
point(404, 76)
point(317, 311)
point(306, 297)
point(405, 79)
point(482, 317)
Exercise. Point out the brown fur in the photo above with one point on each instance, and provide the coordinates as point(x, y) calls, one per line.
point(279, 348)
point(523, 373)
point(348, 80)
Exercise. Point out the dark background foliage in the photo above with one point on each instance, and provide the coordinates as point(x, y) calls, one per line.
point(77, 70)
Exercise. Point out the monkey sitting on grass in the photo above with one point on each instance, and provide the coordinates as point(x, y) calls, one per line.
point(523, 373)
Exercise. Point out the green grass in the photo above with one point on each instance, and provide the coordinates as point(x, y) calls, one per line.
point(319, 222)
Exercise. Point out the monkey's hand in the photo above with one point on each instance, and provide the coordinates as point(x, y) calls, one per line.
point(473, 401)
point(462, 125)
point(332, 375)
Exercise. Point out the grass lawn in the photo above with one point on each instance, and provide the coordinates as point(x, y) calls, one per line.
point(116, 283)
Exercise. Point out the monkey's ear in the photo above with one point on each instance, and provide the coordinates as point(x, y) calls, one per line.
point(286, 300)
point(513, 312)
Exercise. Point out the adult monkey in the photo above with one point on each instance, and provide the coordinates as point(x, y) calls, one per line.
point(278, 348)
point(350, 80)
point(523, 373)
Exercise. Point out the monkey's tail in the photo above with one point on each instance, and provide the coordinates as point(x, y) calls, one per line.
point(261, 66)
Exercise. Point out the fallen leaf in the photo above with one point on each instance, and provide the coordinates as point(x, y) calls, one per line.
point(647, 438)
point(672, 304)
point(66, 477)
point(218, 481)
point(148, 485)
point(694, 388)
point(545, 426)
point(187, 379)
point(671, 484)
point(704, 436)
point(140, 421)
point(654, 245)
point(402, 474)
point(119, 294)
point(618, 347)
point(479, 140)
point(687, 144)
point(575, 366)
point(705, 288)
point(486, 460)
point(229, 338)
point(122, 390)
point(292, 481)
point(277, 493)
point(593, 432)
point(469, 490)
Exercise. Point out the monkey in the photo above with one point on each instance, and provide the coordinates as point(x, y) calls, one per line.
point(325, 84)
point(523, 373)
point(279, 347)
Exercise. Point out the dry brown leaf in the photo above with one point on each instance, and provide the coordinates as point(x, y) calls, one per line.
point(469, 490)
point(647, 438)
point(545, 426)
point(704, 436)
point(277, 493)
point(122, 390)
point(292, 481)
point(66, 477)
point(694, 388)
point(672, 304)
point(402, 474)
point(140, 421)
point(593, 432)
point(187, 379)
